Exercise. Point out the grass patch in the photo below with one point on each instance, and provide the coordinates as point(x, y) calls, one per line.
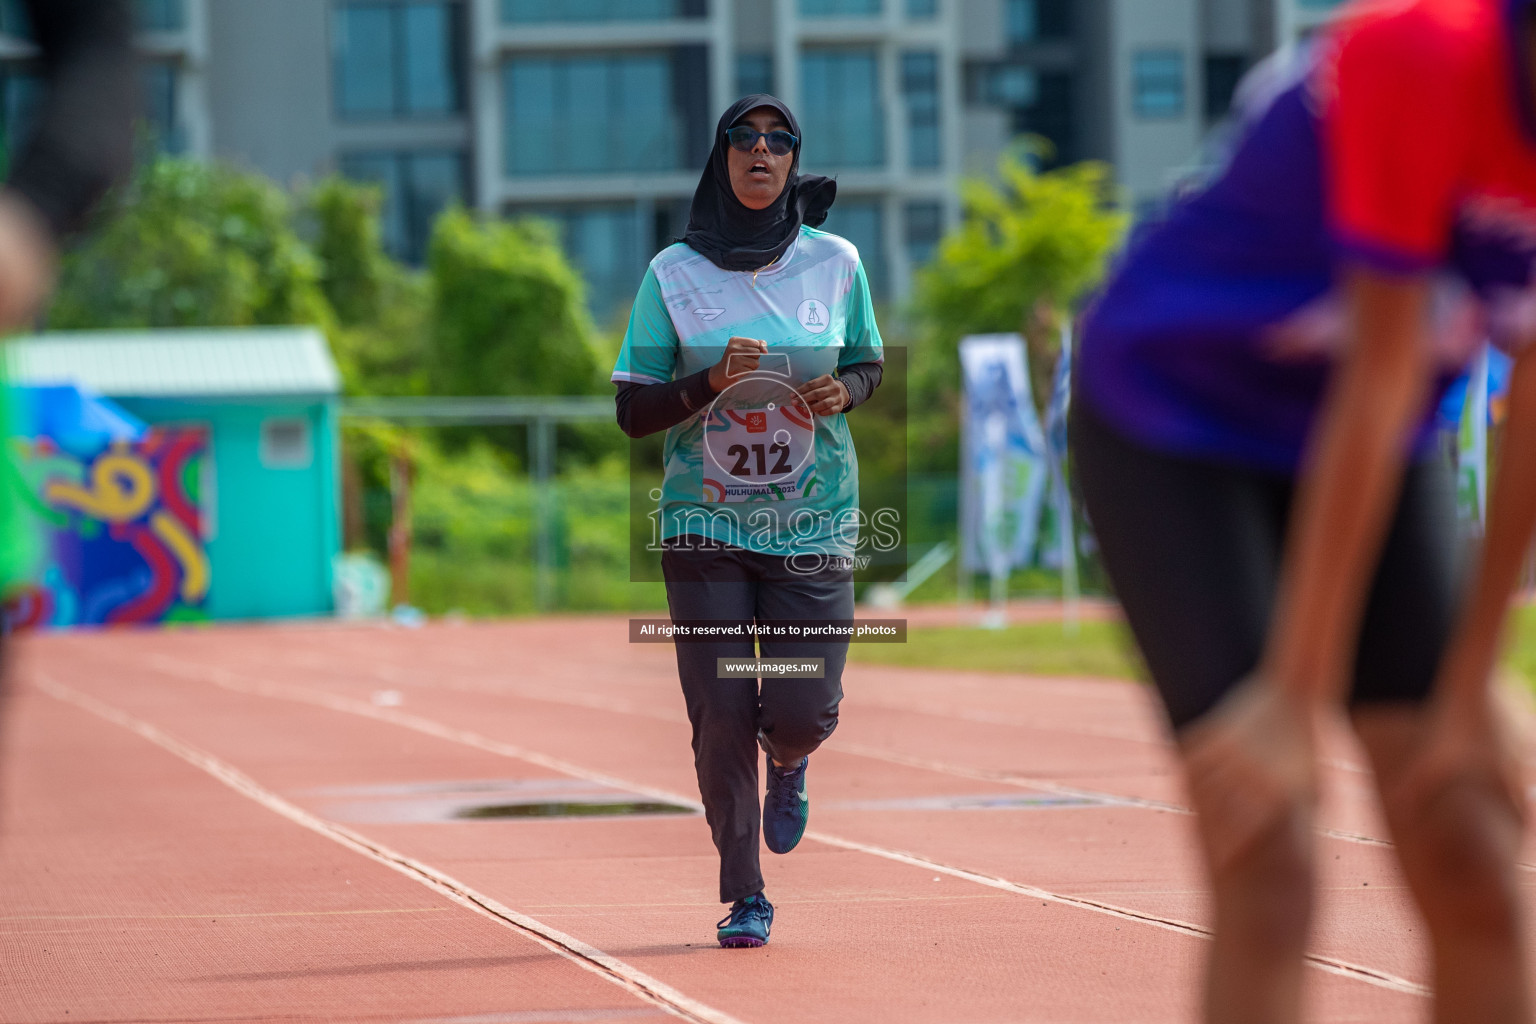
point(1097, 649)
point(1041, 648)
point(490, 587)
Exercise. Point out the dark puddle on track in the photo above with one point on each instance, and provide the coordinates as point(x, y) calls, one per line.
point(487, 800)
point(571, 809)
point(985, 802)
point(545, 799)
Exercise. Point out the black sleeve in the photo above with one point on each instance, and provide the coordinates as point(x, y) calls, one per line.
point(649, 408)
point(860, 379)
point(83, 139)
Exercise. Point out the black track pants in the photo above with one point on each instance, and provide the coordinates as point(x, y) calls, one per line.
point(1193, 549)
point(730, 584)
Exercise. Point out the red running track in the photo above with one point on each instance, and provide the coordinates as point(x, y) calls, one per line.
point(256, 824)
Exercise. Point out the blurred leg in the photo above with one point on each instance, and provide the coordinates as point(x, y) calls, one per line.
point(1457, 823)
point(1193, 551)
point(714, 584)
point(1458, 843)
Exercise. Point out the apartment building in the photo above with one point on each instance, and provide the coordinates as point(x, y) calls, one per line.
point(598, 114)
point(168, 38)
point(1297, 19)
point(1137, 83)
point(602, 113)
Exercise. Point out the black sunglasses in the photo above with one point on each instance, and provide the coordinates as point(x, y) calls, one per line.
point(780, 142)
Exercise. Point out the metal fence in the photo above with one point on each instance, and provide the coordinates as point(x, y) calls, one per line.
point(541, 415)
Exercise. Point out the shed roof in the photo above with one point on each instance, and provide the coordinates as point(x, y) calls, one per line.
point(179, 362)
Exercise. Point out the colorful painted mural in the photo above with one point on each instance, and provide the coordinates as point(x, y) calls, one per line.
point(121, 529)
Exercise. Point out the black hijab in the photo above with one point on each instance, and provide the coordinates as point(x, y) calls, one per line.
point(734, 237)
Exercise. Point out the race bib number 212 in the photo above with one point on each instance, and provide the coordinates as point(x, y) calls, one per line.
point(759, 447)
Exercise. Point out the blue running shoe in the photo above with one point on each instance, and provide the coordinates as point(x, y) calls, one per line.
point(786, 809)
point(746, 926)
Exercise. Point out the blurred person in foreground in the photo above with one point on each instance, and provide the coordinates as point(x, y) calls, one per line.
point(748, 342)
point(1254, 443)
point(79, 145)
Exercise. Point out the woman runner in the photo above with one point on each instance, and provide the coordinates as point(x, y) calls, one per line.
point(747, 343)
point(1255, 449)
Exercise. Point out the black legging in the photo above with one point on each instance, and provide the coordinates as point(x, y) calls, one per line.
point(718, 582)
point(1193, 549)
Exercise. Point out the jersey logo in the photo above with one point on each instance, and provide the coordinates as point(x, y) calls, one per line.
point(812, 315)
point(707, 314)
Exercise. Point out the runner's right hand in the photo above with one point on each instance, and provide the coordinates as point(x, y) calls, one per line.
point(1250, 766)
point(740, 358)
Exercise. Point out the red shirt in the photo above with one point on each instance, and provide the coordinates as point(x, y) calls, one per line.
point(1426, 129)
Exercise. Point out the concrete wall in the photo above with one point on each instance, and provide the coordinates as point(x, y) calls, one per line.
point(271, 100)
point(268, 82)
point(753, 30)
point(1229, 26)
point(1147, 151)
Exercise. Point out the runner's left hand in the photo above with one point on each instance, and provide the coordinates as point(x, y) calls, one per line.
point(826, 395)
point(1250, 766)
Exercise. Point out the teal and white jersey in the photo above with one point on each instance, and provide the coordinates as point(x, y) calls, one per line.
point(756, 468)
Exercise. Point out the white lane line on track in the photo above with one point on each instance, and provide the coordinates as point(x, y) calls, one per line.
point(951, 711)
point(1332, 965)
point(588, 957)
point(596, 703)
point(335, 702)
point(1061, 789)
point(229, 681)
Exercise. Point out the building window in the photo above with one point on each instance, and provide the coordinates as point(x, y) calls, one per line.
point(417, 186)
point(754, 73)
point(519, 12)
point(920, 87)
point(1050, 115)
point(606, 112)
point(14, 20)
point(1157, 82)
point(158, 80)
point(919, 9)
point(1002, 85)
point(396, 60)
point(843, 120)
point(20, 92)
point(862, 222)
point(924, 228)
point(1223, 72)
point(1029, 21)
point(159, 15)
point(285, 443)
point(148, 16)
point(839, 8)
point(604, 242)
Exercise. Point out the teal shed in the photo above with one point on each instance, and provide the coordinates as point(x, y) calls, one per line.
point(268, 397)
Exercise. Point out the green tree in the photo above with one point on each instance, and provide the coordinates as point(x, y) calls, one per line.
point(382, 341)
point(192, 244)
point(511, 317)
point(354, 268)
point(1029, 247)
